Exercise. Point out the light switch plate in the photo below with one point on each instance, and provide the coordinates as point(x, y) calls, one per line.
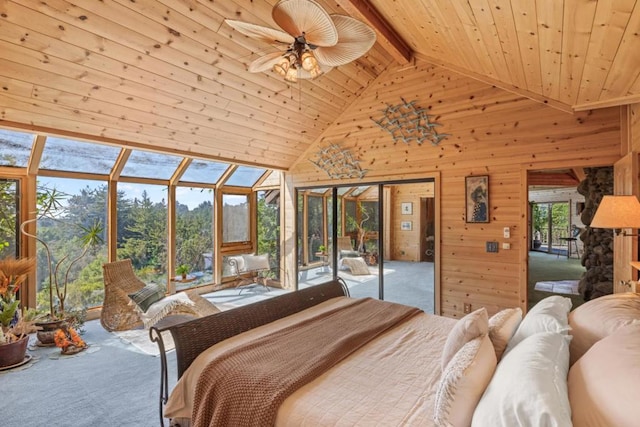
point(492, 246)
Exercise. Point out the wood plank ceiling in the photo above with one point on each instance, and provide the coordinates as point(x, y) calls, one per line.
point(170, 75)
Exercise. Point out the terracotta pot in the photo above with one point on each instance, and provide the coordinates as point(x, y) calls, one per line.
point(13, 353)
point(47, 335)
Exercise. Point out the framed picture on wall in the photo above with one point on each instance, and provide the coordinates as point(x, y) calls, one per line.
point(407, 208)
point(477, 198)
point(406, 225)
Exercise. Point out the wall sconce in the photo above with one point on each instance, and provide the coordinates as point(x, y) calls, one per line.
point(617, 212)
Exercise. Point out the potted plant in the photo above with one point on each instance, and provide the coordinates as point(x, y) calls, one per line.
point(183, 270)
point(59, 269)
point(14, 329)
point(322, 250)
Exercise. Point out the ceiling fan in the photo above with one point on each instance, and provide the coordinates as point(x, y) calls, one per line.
point(314, 41)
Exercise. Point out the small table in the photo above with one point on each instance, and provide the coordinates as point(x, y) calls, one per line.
point(325, 262)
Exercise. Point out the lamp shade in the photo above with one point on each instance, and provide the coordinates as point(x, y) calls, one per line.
point(617, 212)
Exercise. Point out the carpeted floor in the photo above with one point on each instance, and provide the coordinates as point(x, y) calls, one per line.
point(106, 385)
point(550, 267)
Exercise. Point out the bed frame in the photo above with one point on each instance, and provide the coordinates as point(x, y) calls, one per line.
point(194, 336)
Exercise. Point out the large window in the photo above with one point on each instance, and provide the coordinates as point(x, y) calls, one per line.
point(142, 229)
point(86, 180)
point(269, 229)
point(8, 218)
point(235, 219)
point(194, 235)
point(72, 224)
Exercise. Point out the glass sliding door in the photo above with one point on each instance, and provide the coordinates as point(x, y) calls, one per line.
point(385, 240)
point(409, 236)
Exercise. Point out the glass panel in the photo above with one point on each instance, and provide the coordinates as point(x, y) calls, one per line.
point(76, 156)
point(409, 269)
point(315, 230)
point(8, 218)
point(77, 210)
point(144, 164)
point(142, 230)
point(269, 229)
point(359, 267)
point(204, 171)
point(245, 176)
point(235, 218)
point(194, 236)
point(15, 148)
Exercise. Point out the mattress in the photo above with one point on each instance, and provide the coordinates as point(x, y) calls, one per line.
point(390, 381)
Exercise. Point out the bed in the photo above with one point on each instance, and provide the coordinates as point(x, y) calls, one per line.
point(426, 370)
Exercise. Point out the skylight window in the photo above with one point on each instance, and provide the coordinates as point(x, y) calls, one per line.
point(76, 156)
point(144, 164)
point(245, 176)
point(204, 171)
point(15, 148)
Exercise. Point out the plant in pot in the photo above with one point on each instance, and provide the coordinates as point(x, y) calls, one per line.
point(182, 271)
point(14, 329)
point(59, 267)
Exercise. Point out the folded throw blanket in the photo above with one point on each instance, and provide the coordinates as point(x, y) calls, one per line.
point(247, 385)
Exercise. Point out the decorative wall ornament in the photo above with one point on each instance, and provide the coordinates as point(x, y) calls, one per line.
point(406, 122)
point(338, 163)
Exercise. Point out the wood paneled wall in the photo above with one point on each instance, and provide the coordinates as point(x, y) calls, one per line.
point(493, 132)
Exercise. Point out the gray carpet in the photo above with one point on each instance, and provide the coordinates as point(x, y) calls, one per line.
point(410, 283)
point(107, 385)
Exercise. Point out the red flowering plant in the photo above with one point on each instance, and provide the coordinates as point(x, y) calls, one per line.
point(69, 340)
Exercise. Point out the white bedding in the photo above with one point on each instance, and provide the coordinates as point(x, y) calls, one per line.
point(390, 381)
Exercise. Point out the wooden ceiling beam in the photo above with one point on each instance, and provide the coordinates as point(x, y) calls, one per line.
point(388, 38)
point(553, 179)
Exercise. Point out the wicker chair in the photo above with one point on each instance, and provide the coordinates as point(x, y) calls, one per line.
point(120, 281)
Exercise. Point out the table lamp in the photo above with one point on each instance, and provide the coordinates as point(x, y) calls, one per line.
point(617, 212)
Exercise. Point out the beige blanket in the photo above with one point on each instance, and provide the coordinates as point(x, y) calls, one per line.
point(247, 385)
point(390, 381)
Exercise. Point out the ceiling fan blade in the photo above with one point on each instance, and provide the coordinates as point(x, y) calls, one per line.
point(265, 34)
point(265, 63)
point(354, 40)
point(298, 17)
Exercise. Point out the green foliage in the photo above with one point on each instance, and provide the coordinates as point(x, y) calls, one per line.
point(182, 269)
point(269, 232)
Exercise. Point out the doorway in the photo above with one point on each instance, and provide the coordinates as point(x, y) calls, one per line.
point(555, 249)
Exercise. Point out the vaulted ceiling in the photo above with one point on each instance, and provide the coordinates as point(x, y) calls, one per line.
point(171, 75)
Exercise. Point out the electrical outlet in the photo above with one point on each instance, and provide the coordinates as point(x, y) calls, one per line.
point(492, 246)
point(467, 307)
point(506, 232)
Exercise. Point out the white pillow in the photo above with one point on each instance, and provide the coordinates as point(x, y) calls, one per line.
point(556, 306)
point(255, 262)
point(159, 310)
point(549, 315)
point(529, 387)
point(463, 382)
point(502, 326)
point(471, 326)
point(604, 383)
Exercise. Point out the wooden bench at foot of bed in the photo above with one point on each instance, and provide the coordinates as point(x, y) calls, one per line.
point(193, 337)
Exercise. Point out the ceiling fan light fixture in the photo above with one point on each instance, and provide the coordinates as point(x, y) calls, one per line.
point(291, 75)
point(315, 72)
point(282, 66)
point(309, 62)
